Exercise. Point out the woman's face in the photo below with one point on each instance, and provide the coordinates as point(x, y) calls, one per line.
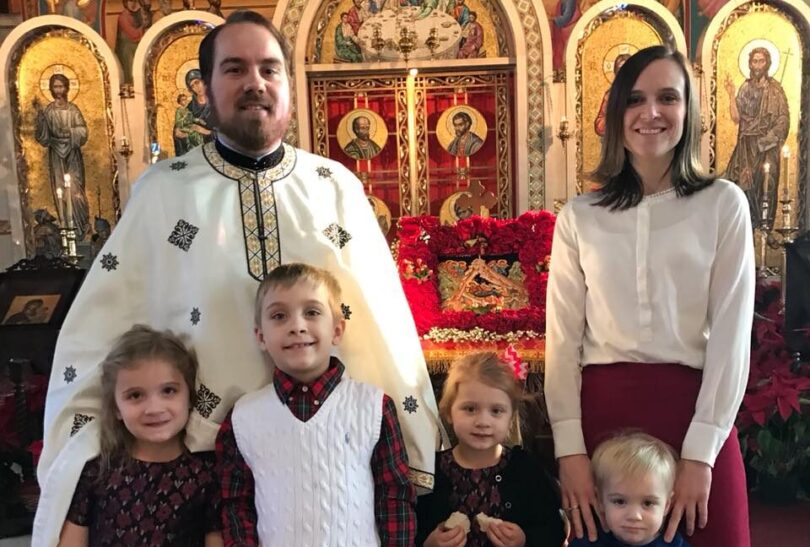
point(654, 116)
point(197, 87)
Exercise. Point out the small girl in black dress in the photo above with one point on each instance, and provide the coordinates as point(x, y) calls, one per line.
point(146, 488)
point(503, 496)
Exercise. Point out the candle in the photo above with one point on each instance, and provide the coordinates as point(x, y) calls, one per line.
point(68, 202)
point(766, 168)
point(785, 172)
point(60, 206)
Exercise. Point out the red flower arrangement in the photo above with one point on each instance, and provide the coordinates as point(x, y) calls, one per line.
point(423, 242)
point(774, 421)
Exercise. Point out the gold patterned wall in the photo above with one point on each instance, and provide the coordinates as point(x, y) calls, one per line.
point(63, 51)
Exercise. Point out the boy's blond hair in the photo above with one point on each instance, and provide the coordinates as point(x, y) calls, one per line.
point(288, 275)
point(633, 454)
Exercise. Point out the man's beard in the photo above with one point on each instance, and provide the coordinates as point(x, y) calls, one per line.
point(254, 134)
point(758, 74)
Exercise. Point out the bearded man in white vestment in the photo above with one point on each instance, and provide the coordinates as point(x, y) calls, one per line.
point(198, 234)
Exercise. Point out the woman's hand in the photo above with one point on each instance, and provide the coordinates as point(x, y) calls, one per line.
point(506, 534)
point(450, 537)
point(579, 494)
point(690, 498)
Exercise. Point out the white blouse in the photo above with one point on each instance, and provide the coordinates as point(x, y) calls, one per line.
point(668, 281)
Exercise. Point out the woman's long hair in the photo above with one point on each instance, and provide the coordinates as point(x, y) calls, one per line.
point(620, 184)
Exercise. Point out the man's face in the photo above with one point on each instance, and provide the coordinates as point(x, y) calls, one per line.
point(35, 311)
point(363, 129)
point(461, 126)
point(132, 5)
point(758, 64)
point(250, 88)
point(58, 89)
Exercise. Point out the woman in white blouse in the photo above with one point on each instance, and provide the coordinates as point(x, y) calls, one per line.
point(650, 305)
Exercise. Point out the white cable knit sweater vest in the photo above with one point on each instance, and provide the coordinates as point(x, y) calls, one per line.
point(314, 485)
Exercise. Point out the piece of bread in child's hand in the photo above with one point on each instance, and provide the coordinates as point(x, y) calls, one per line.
point(485, 520)
point(458, 519)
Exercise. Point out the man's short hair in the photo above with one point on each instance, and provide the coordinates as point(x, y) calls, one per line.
point(356, 121)
point(207, 50)
point(633, 454)
point(288, 275)
point(464, 117)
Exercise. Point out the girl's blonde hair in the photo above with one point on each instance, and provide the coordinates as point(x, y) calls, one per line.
point(633, 454)
point(488, 368)
point(137, 344)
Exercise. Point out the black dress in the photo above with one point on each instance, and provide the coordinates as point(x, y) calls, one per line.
point(516, 489)
point(151, 504)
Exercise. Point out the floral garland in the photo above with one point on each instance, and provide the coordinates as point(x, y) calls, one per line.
point(423, 242)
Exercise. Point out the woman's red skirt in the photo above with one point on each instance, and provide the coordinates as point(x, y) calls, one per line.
point(659, 399)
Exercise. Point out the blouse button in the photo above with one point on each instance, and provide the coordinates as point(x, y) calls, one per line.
point(305, 389)
point(498, 478)
point(316, 402)
point(508, 504)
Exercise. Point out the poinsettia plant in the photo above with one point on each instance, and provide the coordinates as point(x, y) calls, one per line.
point(774, 421)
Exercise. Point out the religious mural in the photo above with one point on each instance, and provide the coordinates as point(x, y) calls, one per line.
point(564, 14)
point(178, 110)
point(133, 21)
point(60, 128)
point(701, 13)
point(362, 134)
point(461, 130)
point(369, 31)
point(64, 135)
point(757, 91)
point(610, 42)
point(89, 12)
point(610, 68)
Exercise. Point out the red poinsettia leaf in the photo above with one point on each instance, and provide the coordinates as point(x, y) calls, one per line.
point(786, 405)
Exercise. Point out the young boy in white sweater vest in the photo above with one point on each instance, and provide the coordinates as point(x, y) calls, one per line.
point(314, 458)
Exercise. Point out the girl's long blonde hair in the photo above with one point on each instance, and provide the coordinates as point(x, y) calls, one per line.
point(488, 368)
point(137, 344)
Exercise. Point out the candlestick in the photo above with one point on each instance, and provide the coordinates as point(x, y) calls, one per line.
point(785, 172)
point(60, 206)
point(68, 202)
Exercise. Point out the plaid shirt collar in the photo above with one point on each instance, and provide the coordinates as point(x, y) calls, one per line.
point(320, 389)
